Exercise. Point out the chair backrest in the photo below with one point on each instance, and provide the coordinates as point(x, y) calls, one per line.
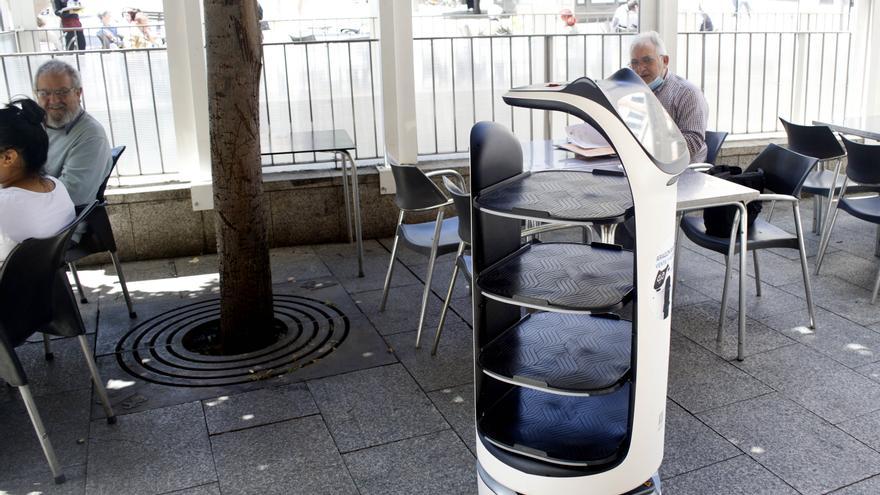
point(714, 140)
point(29, 283)
point(462, 203)
point(496, 154)
point(812, 140)
point(415, 190)
point(784, 169)
point(862, 162)
point(115, 153)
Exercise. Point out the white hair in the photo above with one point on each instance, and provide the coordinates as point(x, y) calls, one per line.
point(56, 66)
point(649, 38)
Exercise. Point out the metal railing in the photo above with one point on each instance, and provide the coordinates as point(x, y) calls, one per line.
point(750, 79)
point(128, 91)
point(766, 21)
point(56, 40)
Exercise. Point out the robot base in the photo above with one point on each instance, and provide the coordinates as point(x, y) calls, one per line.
point(488, 486)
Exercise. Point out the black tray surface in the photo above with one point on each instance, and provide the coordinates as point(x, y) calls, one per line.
point(566, 352)
point(570, 276)
point(565, 195)
point(559, 428)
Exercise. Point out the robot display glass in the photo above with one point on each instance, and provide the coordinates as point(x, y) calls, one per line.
point(572, 339)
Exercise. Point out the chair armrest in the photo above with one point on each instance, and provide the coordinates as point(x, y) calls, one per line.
point(700, 167)
point(776, 197)
point(448, 171)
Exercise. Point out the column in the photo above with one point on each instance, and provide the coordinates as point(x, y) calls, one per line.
point(24, 16)
point(398, 81)
point(189, 83)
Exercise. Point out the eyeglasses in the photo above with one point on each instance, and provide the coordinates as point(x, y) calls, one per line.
point(45, 93)
point(646, 61)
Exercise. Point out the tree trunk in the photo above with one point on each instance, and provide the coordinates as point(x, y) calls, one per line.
point(233, 46)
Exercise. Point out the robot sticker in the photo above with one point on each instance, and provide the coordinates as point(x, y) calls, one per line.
point(663, 281)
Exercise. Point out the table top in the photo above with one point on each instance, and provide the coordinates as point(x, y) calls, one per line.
point(318, 141)
point(697, 190)
point(866, 127)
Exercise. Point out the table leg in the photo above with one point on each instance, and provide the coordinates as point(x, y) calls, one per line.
point(678, 216)
point(358, 227)
point(341, 154)
point(743, 257)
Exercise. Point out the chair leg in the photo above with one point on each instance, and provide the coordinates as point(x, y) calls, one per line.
point(770, 211)
point(437, 228)
point(816, 207)
point(804, 267)
point(876, 287)
point(118, 267)
point(47, 348)
point(447, 300)
point(728, 259)
point(391, 263)
point(826, 238)
point(757, 274)
point(42, 434)
point(79, 289)
point(96, 378)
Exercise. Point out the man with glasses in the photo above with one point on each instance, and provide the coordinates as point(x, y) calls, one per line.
point(683, 101)
point(79, 152)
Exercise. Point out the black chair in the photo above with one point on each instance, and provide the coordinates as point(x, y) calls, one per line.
point(818, 142)
point(36, 297)
point(863, 167)
point(416, 192)
point(97, 237)
point(714, 140)
point(784, 174)
point(462, 202)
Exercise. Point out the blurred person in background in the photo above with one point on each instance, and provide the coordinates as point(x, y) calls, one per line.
point(626, 18)
point(108, 34)
point(68, 11)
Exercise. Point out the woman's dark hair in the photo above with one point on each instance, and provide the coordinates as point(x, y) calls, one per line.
point(21, 128)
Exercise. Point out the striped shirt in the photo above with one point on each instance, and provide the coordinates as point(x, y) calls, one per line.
point(687, 106)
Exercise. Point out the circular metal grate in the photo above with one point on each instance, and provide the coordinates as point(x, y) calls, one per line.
point(154, 350)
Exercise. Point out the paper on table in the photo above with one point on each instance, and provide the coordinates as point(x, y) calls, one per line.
point(585, 136)
point(587, 153)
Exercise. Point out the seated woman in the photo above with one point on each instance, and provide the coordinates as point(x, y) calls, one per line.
point(31, 203)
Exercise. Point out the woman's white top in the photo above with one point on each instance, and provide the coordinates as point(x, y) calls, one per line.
point(25, 214)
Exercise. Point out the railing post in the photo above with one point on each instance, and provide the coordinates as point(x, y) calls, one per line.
point(548, 77)
point(799, 84)
point(863, 65)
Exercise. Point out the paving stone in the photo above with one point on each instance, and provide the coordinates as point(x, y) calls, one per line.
point(67, 371)
point(205, 264)
point(699, 380)
point(842, 298)
point(790, 442)
point(151, 452)
point(686, 296)
point(375, 269)
point(66, 418)
point(332, 253)
point(326, 290)
point(690, 444)
point(870, 486)
point(374, 406)
point(442, 276)
point(699, 322)
point(408, 256)
point(457, 406)
point(43, 484)
point(463, 306)
point(435, 463)
point(864, 428)
point(296, 263)
point(453, 365)
point(732, 477)
point(402, 310)
point(260, 407)
point(209, 489)
point(838, 338)
point(772, 302)
point(289, 458)
point(816, 382)
point(854, 269)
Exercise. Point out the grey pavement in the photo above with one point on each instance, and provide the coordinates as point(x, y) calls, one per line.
point(801, 413)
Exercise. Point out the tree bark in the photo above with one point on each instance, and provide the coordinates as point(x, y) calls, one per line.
point(233, 46)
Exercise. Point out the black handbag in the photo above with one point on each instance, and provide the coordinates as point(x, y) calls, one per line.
point(719, 219)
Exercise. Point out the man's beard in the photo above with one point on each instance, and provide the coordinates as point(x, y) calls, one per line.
point(66, 118)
